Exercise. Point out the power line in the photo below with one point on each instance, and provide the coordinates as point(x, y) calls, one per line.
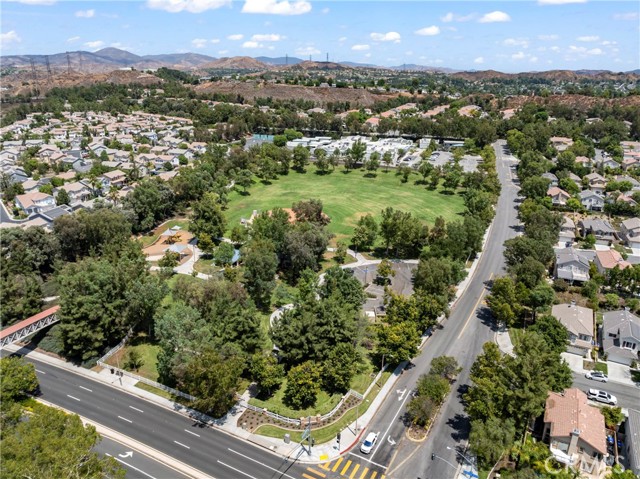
point(68, 63)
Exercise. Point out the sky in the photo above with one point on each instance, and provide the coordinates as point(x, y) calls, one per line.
point(508, 36)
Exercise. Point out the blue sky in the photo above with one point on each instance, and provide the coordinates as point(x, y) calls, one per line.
point(505, 35)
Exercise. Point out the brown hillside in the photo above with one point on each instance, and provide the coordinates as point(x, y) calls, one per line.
point(555, 75)
point(235, 63)
point(309, 65)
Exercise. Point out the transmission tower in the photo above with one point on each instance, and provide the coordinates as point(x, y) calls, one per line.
point(327, 57)
point(68, 63)
point(286, 59)
point(80, 61)
point(46, 61)
point(34, 76)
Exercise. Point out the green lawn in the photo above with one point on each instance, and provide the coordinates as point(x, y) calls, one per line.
point(324, 404)
point(346, 197)
point(149, 353)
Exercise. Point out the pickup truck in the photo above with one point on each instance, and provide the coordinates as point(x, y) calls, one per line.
point(602, 396)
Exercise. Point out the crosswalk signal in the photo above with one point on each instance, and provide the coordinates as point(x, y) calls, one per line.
point(338, 437)
point(433, 456)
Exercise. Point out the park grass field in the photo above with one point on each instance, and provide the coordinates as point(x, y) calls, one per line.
point(346, 197)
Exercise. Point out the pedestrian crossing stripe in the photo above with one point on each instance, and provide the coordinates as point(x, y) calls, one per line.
point(342, 469)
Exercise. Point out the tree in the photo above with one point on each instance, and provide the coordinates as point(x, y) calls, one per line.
point(398, 341)
point(133, 360)
point(266, 371)
point(452, 179)
point(207, 217)
point(617, 472)
point(612, 416)
point(553, 331)
point(387, 159)
point(433, 386)
point(303, 385)
point(355, 154)
point(18, 379)
point(244, 179)
point(420, 410)
point(213, 379)
point(389, 226)
point(425, 168)
point(21, 297)
point(340, 253)
point(385, 271)
point(341, 284)
point(322, 161)
point(206, 244)
point(311, 211)
point(169, 260)
point(51, 444)
point(260, 265)
point(300, 158)
point(223, 254)
point(62, 198)
point(338, 368)
point(150, 202)
point(373, 163)
point(445, 366)
point(365, 233)
point(490, 439)
point(541, 297)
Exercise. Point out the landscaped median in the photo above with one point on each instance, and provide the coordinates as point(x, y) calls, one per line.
point(267, 426)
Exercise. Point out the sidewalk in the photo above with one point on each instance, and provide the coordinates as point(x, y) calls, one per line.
point(618, 373)
point(504, 341)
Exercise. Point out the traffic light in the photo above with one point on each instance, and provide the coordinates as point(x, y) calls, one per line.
point(338, 437)
point(433, 456)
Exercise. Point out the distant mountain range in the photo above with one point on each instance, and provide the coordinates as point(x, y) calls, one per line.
point(109, 59)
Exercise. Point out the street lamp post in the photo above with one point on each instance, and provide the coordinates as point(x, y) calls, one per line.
point(435, 456)
point(461, 455)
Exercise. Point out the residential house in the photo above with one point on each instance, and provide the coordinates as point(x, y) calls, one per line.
point(567, 232)
point(620, 336)
point(35, 202)
point(630, 232)
point(629, 162)
point(77, 191)
point(575, 430)
point(632, 440)
point(597, 183)
point(82, 166)
point(30, 186)
point(579, 321)
point(610, 259)
point(635, 184)
point(561, 143)
point(571, 266)
point(115, 178)
point(591, 200)
point(559, 197)
point(553, 179)
point(601, 229)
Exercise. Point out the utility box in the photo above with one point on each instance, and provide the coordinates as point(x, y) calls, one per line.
point(287, 438)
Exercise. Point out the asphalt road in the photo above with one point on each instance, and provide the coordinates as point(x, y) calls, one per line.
point(628, 396)
point(207, 449)
point(465, 331)
point(137, 464)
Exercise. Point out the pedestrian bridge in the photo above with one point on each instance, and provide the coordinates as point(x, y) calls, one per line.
point(28, 326)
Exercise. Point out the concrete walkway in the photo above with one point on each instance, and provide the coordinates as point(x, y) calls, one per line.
point(504, 341)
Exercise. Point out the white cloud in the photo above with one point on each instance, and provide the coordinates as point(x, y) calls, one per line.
point(267, 37)
point(94, 44)
point(452, 17)
point(386, 37)
point(626, 16)
point(199, 42)
point(595, 51)
point(479, 60)
point(252, 44)
point(533, 59)
point(223, 52)
point(516, 42)
point(548, 38)
point(35, 2)
point(325, 11)
point(609, 42)
point(191, 6)
point(559, 2)
point(367, 55)
point(306, 51)
point(86, 13)
point(428, 31)
point(72, 39)
point(276, 7)
point(588, 38)
point(493, 17)
point(555, 49)
point(235, 37)
point(214, 40)
point(518, 56)
point(360, 48)
point(342, 39)
point(9, 38)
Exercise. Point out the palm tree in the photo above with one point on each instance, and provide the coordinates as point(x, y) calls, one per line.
point(113, 194)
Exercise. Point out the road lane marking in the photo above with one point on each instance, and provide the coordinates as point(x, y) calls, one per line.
point(337, 464)
point(136, 409)
point(186, 430)
point(390, 424)
point(125, 419)
point(73, 397)
point(86, 389)
point(345, 468)
point(325, 466)
point(184, 445)
point(307, 476)
point(131, 466)
point(373, 475)
point(321, 474)
point(473, 311)
point(364, 473)
point(280, 473)
point(362, 458)
point(41, 372)
point(355, 469)
point(237, 470)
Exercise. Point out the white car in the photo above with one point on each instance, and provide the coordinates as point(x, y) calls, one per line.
point(368, 443)
point(597, 376)
point(602, 396)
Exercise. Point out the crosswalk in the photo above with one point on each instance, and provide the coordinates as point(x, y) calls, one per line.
point(343, 468)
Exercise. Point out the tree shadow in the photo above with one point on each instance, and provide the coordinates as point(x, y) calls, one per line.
point(461, 426)
point(370, 175)
point(266, 182)
point(447, 192)
point(244, 193)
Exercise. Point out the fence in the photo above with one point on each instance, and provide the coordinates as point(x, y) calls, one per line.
point(102, 362)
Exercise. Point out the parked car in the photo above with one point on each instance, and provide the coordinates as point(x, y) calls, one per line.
point(602, 396)
point(597, 376)
point(368, 443)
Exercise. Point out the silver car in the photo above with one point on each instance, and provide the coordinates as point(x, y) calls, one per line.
point(597, 376)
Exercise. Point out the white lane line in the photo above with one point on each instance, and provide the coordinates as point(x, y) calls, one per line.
point(390, 424)
point(186, 430)
point(129, 465)
point(125, 419)
point(237, 470)
point(86, 389)
point(180, 444)
point(280, 473)
point(41, 372)
point(72, 397)
point(136, 409)
point(359, 456)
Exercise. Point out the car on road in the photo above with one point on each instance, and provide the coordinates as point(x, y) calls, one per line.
point(602, 396)
point(597, 376)
point(368, 443)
